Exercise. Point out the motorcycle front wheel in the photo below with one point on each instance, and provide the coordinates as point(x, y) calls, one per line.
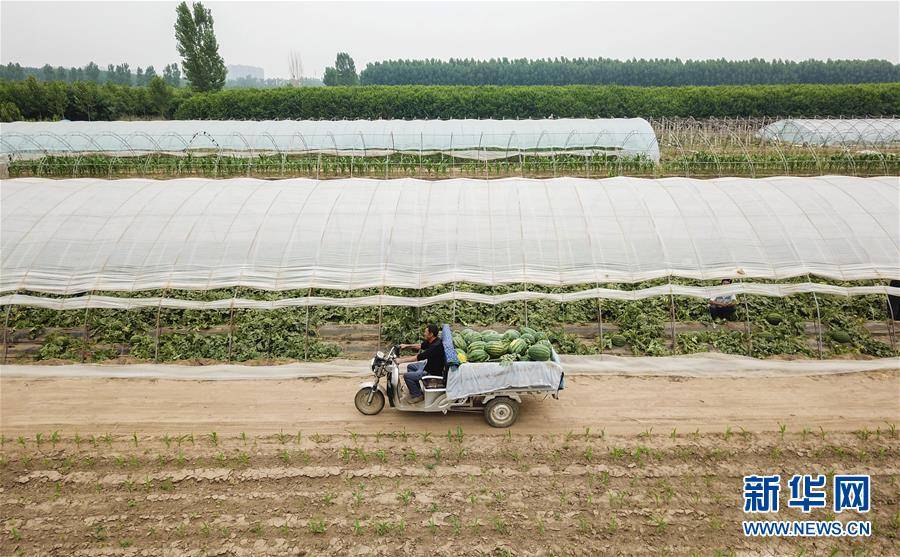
point(363, 403)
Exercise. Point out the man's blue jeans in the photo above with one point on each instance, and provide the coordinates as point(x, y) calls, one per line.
point(414, 372)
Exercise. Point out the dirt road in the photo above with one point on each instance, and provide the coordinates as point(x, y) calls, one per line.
point(92, 467)
point(623, 405)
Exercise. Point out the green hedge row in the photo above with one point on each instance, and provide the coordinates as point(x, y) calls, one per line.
point(542, 102)
point(32, 100)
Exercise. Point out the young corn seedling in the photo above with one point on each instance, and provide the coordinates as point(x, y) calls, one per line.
point(167, 440)
point(213, 438)
point(285, 456)
point(282, 437)
point(727, 434)
point(134, 439)
point(243, 438)
point(455, 524)
point(39, 438)
point(782, 428)
point(54, 438)
point(357, 527)
point(411, 455)
point(257, 529)
point(317, 526)
point(405, 496)
point(432, 527)
point(328, 498)
point(499, 525)
point(426, 437)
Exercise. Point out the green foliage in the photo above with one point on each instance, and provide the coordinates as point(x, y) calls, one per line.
point(542, 102)
point(343, 72)
point(605, 71)
point(9, 112)
point(198, 47)
point(160, 95)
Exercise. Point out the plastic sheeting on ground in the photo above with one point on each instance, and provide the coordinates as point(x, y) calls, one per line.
point(695, 365)
point(627, 136)
point(83, 235)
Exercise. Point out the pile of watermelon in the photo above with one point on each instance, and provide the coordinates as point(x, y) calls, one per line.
point(526, 344)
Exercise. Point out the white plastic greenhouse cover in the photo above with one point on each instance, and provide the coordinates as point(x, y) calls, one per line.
point(83, 235)
point(485, 138)
point(861, 132)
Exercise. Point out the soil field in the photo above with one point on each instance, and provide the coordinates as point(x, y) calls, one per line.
point(618, 465)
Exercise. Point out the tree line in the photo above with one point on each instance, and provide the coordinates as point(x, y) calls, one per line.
point(35, 100)
point(605, 71)
point(119, 74)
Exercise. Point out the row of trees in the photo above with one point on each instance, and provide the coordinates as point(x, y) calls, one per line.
point(603, 71)
point(35, 100)
point(119, 74)
point(574, 101)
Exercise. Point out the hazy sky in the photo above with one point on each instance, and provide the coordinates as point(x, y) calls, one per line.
point(264, 33)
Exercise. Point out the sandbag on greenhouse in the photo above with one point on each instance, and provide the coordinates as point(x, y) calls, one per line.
point(477, 379)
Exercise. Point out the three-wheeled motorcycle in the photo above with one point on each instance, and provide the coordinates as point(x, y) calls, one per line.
point(496, 389)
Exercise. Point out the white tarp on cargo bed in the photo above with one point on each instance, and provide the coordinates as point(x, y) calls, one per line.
point(488, 377)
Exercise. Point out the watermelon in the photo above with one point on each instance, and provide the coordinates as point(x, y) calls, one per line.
point(489, 332)
point(518, 346)
point(528, 337)
point(461, 356)
point(496, 348)
point(491, 337)
point(774, 318)
point(540, 336)
point(528, 331)
point(840, 336)
point(472, 337)
point(478, 356)
point(545, 342)
point(618, 341)
point(539, 353)
point(477, 345)
point(511, 334)
point(466, 332)
point(459, 342)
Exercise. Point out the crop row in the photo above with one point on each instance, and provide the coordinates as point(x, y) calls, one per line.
point(763, 326)
point(699, 164)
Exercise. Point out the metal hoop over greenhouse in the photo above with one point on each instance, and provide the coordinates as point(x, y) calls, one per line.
point(476, 139)
point(880, 132)
point(68, 237)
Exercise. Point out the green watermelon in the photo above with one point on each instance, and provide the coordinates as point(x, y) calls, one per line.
point(774, 318)
point(496, 348)
point(840, 336)
point(518, 346)
point(459, 342)
point(478, 356)
point(528, 337)
point(618, 341)
point(466, 332)
point(528, 331)
point(545, 342)
point(540, 336)
point(489, 332)
point(496, 337)
point(539, 353)
point(477, 345)
point(511, 334)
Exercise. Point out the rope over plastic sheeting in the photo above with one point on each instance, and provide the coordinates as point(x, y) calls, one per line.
point(759, 289)
point(85, 235)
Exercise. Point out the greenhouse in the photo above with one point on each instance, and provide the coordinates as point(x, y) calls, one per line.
point(69, 237)
point(874, 132)
point(473, 139)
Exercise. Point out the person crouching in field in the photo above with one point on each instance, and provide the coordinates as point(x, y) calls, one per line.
point(429, 361)
point(723, 307)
